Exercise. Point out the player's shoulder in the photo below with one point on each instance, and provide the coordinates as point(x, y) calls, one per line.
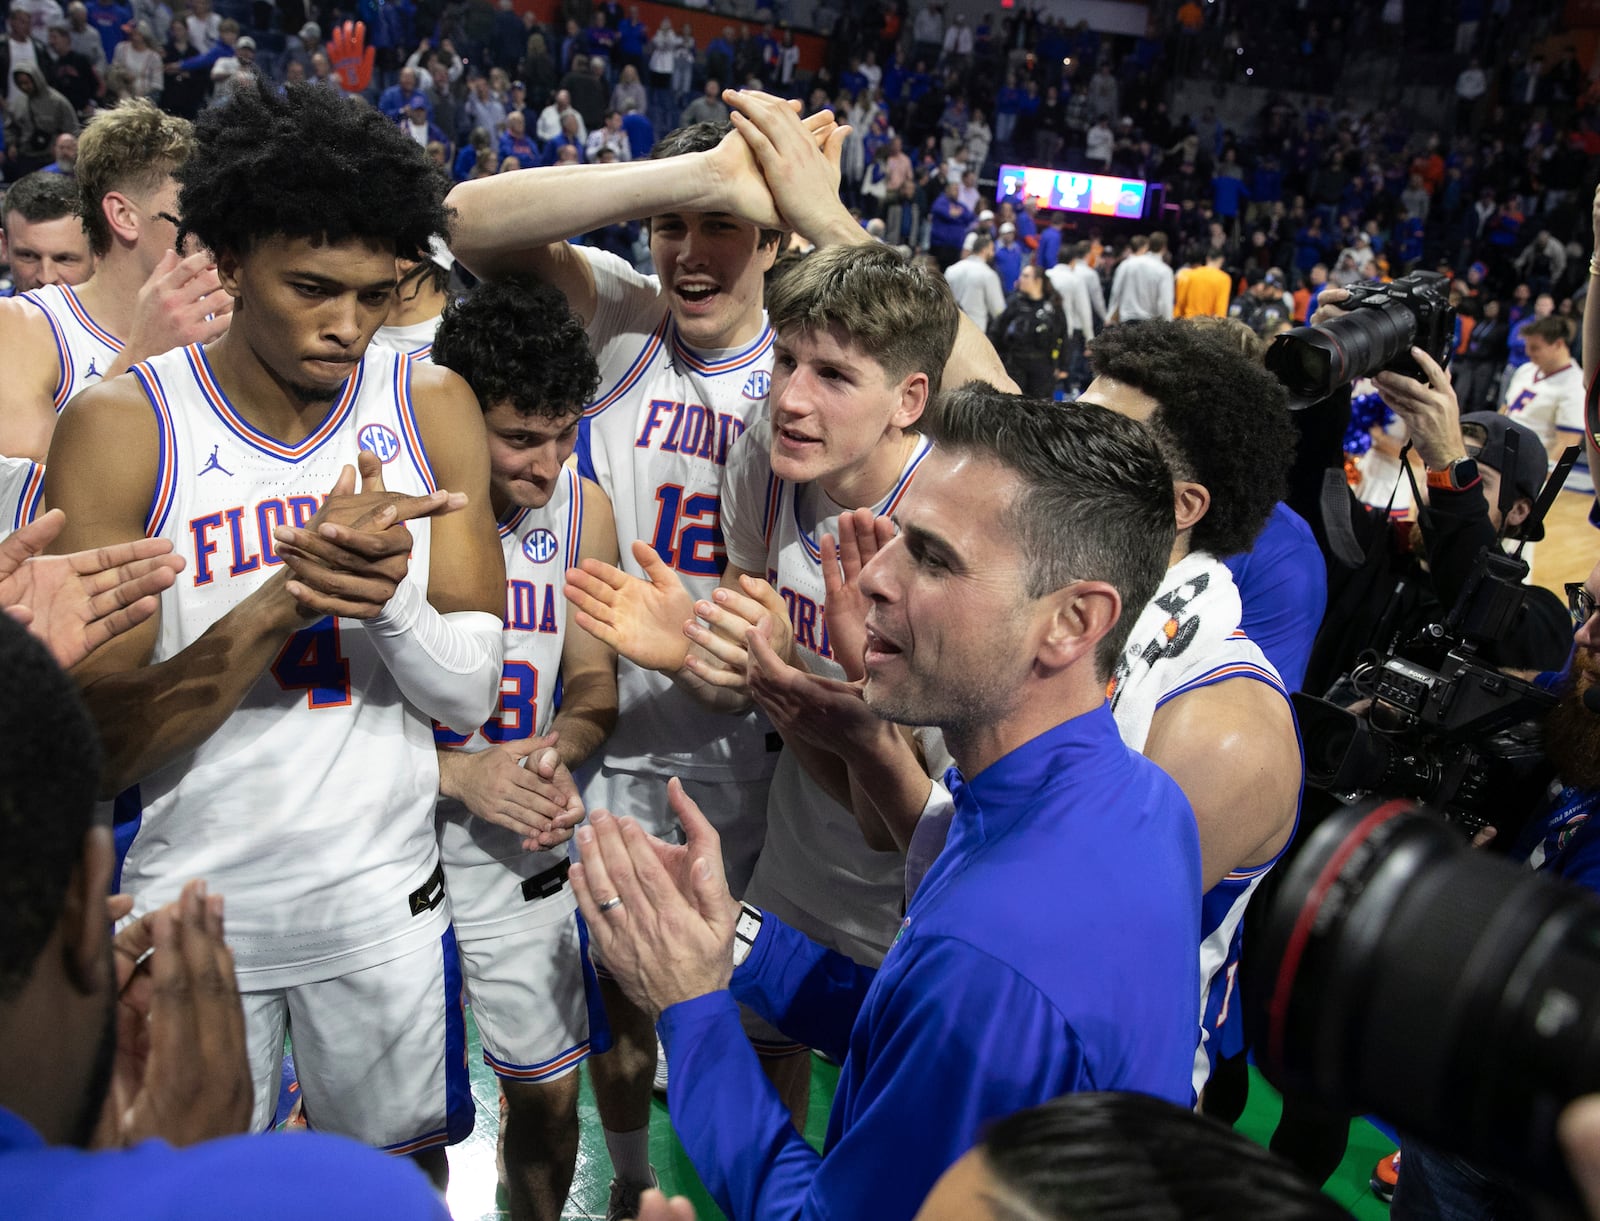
point(435, 390)
point(24, 319)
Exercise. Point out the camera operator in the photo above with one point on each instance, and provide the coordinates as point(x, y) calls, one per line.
point(1381, 586)
point(1561, 839)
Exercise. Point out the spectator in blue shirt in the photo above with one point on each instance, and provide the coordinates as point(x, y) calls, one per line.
point(109, 19)
point(167, 1137)
point(1050, 948)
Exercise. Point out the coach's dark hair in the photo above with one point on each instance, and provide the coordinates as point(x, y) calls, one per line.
point(700, 138)
point(517, 341)
point(1096, 498)
point(1221, 420)
point(40, 197)
point(49, 772)
point(308, 163)
point(1109, 1157)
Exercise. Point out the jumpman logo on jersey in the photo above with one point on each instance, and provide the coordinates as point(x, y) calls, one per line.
point(91, 371)
point(213, 465)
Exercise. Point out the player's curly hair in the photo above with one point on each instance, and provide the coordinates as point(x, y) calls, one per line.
point(1222, 421)
point(516, 340)
point(308, 163)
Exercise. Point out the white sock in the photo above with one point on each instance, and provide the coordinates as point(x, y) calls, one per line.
point(630, 1155)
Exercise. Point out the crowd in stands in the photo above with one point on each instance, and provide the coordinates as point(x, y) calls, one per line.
point(1340, 187)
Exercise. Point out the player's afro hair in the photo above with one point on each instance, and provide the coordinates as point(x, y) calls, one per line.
point(516, 340)
point(1222, 421)
point(308, 163)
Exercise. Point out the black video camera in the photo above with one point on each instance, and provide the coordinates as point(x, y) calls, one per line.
point(1384, 323)
point(1444, 728)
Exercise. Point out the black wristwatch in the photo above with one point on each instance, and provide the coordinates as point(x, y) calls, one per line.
point(1458, 476)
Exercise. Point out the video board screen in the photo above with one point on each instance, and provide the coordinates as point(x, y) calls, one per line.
point(1073, 191)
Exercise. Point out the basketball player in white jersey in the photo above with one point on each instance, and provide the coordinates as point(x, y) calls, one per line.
point(685, 360)
point(143, 299)
point(509, 799)
point(275, 716)
point(419, 300)
point(862, 339)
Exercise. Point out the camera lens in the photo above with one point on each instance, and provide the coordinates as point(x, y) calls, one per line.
point(1399, 972)
point(1313, 362)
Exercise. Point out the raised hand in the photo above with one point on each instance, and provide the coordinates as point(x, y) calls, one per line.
point(182, 302)
point(1430, 412)
point(739, 184)
point(349, 559)
point(75, 603)
point(643, 620)
point(670, 939)
point(350, 57)
point(723, 623)
point(861, 536)
point(799, 161)
point(181, 1072)
point(812, 708)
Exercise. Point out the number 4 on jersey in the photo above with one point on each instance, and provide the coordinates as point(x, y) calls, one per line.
point(688, 533)
point(310, 661)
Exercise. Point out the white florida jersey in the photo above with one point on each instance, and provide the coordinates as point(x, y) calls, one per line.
point(656, 440)
point(84, 348)
point(416, 340)
point(311, 807)
point(815, 854)
point(21, 493)
point(1551, 405)
point(485, 866)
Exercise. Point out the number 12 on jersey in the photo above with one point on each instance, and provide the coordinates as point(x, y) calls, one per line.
point(688, 533)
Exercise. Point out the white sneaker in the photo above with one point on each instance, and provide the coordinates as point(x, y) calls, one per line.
point(660, 1084)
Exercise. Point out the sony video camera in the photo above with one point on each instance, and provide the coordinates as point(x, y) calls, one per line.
point(1383, 324)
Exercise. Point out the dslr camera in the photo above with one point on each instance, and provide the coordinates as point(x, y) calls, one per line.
point(1383, 324)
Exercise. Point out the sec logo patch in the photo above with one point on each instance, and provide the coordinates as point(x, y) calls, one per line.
point(540, 546)
point(377, 439)
point(758, 384)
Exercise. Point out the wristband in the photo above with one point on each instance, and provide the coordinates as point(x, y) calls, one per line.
point(1594, 264)
point(745, 933)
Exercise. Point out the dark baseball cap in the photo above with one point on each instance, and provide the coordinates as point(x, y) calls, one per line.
point(1485, 433)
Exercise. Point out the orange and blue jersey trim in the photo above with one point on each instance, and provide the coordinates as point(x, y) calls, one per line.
point(696, 363)
point(635, 371)
point(509, 527)
point(88, 323)
point(769, 515)
point(574, 515)
point(407, 411)
point(200, 366)
point(545, 1070)
point(422, 353)
point(32, 497)
point(63, 353)
point(438, 1138)
point(166, 488)
point(885, 507)
point(1222, 673)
